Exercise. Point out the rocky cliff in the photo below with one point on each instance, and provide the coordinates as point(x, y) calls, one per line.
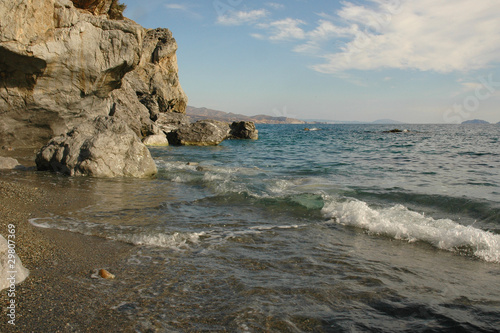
point(64, 62)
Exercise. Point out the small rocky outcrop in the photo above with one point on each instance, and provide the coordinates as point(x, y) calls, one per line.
point(200, 133)
point(397, 130)
point(244, 130)
point(7, 163)
point(211, 133)
point(104, 147)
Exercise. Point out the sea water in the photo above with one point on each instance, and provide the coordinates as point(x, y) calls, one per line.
point(344, 229)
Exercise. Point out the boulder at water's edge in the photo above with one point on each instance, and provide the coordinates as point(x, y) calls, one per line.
point(103, 147)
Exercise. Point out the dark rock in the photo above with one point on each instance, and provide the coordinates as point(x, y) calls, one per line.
point(96, 7)
point(103, 147)
point(244, 130)
point(201, 133)
point(396, 130)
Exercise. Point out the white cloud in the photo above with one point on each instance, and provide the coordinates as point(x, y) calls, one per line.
point(286, 29)
point(428, 35)
point(275, 5)
point(242, 17)
point(183, 8)
point(176, 6)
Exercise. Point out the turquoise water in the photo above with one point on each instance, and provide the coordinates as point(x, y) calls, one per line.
point(343, 229)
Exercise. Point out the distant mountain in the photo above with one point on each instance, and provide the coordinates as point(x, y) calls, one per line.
point(376, 122)
point(204, 113)
point(387, 121)
point(475, 122)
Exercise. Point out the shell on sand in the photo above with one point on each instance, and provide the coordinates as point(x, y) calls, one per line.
point(105, 274)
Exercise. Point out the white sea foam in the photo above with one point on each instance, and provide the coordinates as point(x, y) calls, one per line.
point(400, 223)
point(176, 241)
point(128, 234)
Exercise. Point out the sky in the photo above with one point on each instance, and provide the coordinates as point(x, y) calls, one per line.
point(416, 61)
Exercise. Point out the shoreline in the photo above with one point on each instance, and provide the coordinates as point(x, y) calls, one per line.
point(51, 298)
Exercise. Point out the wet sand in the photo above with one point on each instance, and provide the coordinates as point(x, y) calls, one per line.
point(59, 295)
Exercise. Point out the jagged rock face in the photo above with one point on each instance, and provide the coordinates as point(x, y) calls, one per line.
point(60, 66)
point(201, 133)
point(103, 147)
point(169, 122)
point(156, 80)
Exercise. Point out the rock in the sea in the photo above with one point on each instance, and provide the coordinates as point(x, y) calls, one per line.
point(156, 140)
point(10, 265)
point(8, 163)
point(201, 133)
point(244, 130)
point(103, 147)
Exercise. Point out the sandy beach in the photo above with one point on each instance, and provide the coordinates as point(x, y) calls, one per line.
point(59, 295)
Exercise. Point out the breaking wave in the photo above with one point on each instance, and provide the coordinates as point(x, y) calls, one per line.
point(400, 223)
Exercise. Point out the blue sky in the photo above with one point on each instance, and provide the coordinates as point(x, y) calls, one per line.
point(418, 61)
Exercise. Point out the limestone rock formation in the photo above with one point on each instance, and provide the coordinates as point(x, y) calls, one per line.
point(201, 133)
point(169, 122)
point(8, 163)
point(156, 80)
point(155, 140)
point(104, 147)
point(61, 66)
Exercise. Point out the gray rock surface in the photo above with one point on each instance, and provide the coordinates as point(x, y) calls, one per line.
point(156, 79)
point(169, 122)
point(61, 66)
point(155, 140)
point(104, 147)
point(7, 163)
point(201, 133)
